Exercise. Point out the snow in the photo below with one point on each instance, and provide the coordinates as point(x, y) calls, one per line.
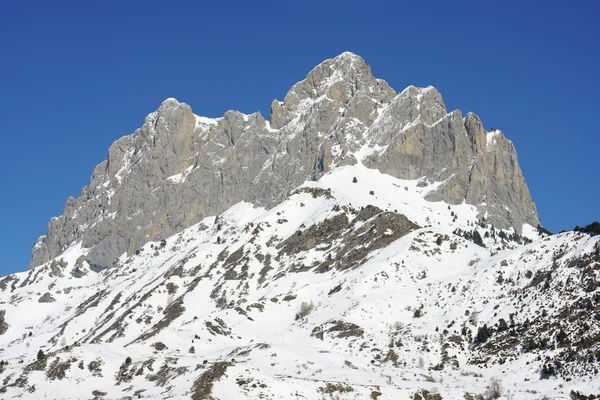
point(124, 166)
point(180, 177)
point(491, 138)
point(366, 150)
point(270, 128)
point(530, 232)
point(278, 355)
point(39, 241)
point(204, 122)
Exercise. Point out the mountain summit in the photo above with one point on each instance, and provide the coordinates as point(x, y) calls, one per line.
point(179, 168)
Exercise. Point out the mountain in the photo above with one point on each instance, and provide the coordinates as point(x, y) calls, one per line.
point(180, 168)
point(361, 244)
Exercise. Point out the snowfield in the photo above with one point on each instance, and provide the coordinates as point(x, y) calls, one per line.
point(354, 287)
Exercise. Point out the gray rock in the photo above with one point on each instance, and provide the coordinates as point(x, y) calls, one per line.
point(77, 272)
point(179, 168)
point(3, 324)
point(105, 253)
point(46, 298)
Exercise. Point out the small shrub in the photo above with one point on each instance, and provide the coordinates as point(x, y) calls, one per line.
point(128, 360)
point(495, 388)
point(547, 371)
point(438, 367)
point(331, 388)
point(305, 309)
point(160, 346)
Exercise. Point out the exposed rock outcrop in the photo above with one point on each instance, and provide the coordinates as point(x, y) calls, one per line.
point(178, 167)
point(3, 323)
point(46, 298)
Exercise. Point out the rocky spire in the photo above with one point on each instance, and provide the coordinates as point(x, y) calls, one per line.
point(179, 167)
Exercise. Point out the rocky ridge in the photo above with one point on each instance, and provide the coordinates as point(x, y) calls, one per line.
point(179, 168)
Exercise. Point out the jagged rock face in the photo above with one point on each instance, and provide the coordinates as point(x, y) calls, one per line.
point(178, 167)
point(477, 167)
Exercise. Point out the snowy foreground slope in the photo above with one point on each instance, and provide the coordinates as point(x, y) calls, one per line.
point(353, 287)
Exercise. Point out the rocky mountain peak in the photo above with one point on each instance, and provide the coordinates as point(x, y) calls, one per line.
point(344, 67)
point(180, 167)
point(341, 82)
point(169, 102)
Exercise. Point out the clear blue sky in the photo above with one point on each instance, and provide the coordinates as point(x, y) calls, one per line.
point(74, 77)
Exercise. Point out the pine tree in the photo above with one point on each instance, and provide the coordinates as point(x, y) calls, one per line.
point(502, 325)
point(561, 337)
point(483, 334)
point(477, 238)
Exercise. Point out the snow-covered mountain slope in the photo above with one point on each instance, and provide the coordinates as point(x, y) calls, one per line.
point(353, 287)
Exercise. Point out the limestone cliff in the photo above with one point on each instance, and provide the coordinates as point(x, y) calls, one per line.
point(179, 167)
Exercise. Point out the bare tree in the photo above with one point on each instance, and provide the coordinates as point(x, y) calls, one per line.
point(495, 388)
